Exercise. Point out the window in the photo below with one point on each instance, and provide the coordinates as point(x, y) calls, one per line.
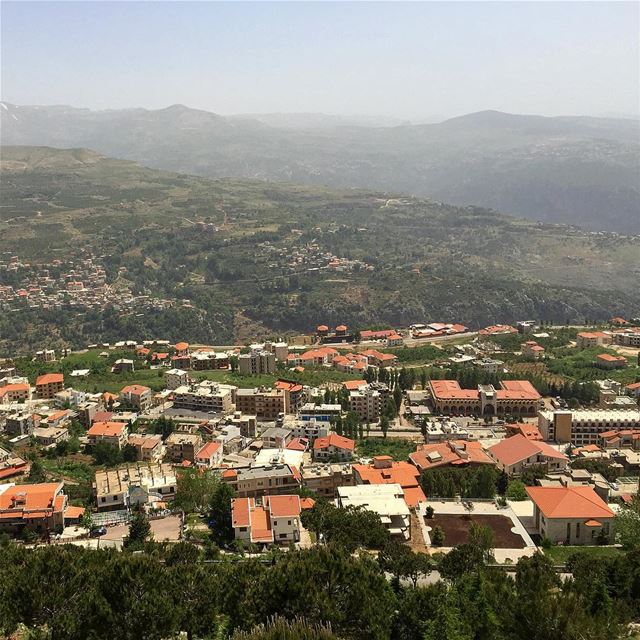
point(289, 522)
point(243, 529)
point(577, 529)
point(103, 499)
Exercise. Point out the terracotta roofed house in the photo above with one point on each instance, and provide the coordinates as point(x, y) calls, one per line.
point(571, 515)
point(137, 396)
point(333, 447)
point(113, 433)
point(515, 454)
point(36, 506)
point(455, 453)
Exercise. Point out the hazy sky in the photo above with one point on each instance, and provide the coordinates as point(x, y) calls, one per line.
point(409, 60)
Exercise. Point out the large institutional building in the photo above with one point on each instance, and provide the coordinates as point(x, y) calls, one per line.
point(584, 426)
point(515, 397)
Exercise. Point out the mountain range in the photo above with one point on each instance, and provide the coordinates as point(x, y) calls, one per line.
point(580, 171)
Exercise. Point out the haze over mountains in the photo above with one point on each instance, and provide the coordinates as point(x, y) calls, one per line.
point(576, 170)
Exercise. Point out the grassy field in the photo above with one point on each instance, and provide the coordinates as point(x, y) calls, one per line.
point(397, 448)
point(560, 554)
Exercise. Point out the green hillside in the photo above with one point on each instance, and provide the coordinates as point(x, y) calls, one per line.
point(246, 258)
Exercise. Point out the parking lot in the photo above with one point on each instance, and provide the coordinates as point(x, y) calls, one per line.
point(163, 529)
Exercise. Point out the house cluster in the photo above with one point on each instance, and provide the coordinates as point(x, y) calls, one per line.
point(79, 283)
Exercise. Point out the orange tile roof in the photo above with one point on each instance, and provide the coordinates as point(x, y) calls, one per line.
point(33, 500)
point(182, 346)
point(107, 429)
point(402, 473)
point(293, 387)
point(73, 512)
point(607, 357)
point(307, 503)
point(208, 450)
point(517, 448)
point(569, 502)
point(517, 390)
point(49, 378)
point(497, 329)
point(334, 440)
point(352, 385)
point(283, 506)
point(450, 390)
point(135, 389)
point(452, 452)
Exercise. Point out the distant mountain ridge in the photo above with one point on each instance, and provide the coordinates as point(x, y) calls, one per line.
point(576, 170)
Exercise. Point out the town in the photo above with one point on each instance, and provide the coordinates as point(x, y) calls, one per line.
point(530, 431)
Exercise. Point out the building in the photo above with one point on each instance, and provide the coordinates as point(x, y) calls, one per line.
point(513, 455)
point(323, 413)
point(15, 392)
point(571, 515)
point(515, 397)
point(148, 448)
point(11, 464)
point(496, 330)
point(532, 350)
point(628, 338)
point(175, 378)
point(253, 482)
point(267, 404)
point(586, 339)
point(123, 365)
point(608, 361)
point(181, 349)
point(50, 436)
point(526, 429)
point(48, 385)
point(247, 425)
point(384, 470)
point(633, 389)
point(39, 507)
point(367, 403)
point(308, 430)
point(276, 437)
point(206, 397)
point(294, 394)
point(21, 424)
point(274, 519)
point(257, 362)
point(379, 359)
point(183, 446)
point(455, 453)
point(139, 483)
point(209, 456)
point(620, 439)
point(333, 448)
point(324, 479)
point(279, 349)
point(113, 433)
point(46, 355)
point(387, 500)
point(203, 360)
point(584, 426)
point(137, 395)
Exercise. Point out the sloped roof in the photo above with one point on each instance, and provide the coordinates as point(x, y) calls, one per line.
point(569, 502)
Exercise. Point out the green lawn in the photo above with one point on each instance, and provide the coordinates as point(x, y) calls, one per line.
point(560, 554)
point(397, 448)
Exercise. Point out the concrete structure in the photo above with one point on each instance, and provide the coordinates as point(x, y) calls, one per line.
point(367, 403)
point(260, 481)
point(208, 397)
point(48, 385)
point(319, 412)
point(137, 395)
point(584, 426)
point(276, 437)
point(116, 489)
point(454, 453)
point(571, 515)
point(387, 500)
point(324, 479)
point(267, 404)
point(183, 446)
point(532, 350)
point(608, 361)
point(113, 433)
point(175, 378)
point(148, 448)
point(257, 362)
point(48, 436)
point(586, 339)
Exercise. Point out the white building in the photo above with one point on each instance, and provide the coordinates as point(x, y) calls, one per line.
point(175, 378)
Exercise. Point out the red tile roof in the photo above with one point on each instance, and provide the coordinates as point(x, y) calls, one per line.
point(283, 506)
point(512, 450)
point(108, 429)
point(207, 450)
point(49, 378)
point(334, 440)
point(569, 502)
point(452, 452)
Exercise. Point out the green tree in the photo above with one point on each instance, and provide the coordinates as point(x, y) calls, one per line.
point(139, 531)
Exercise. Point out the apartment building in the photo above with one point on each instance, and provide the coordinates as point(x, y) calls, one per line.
point(183, 446)
point(324, 479)
point(15, 392)
point(203, 360)
point(323, 413)
point(139, 483)
point(49, 436)
point(265, 480)
point(113, 433)
point(34, 506)
point(148, 448)
point(257, 362)
point(21, 424)
point(585, 426)
point(209, 456)
point(608, 361)
point(367, 403)
point(175, 378)
point(267, 404)
point(48, 385)
point(627, 338)
point(208, 397)
point(587, 339)
point(137, 396)
point(308, 429)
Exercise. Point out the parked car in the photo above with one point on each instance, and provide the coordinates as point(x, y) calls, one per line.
point(96, 532)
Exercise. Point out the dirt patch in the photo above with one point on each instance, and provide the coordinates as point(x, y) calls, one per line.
point(456, 529)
